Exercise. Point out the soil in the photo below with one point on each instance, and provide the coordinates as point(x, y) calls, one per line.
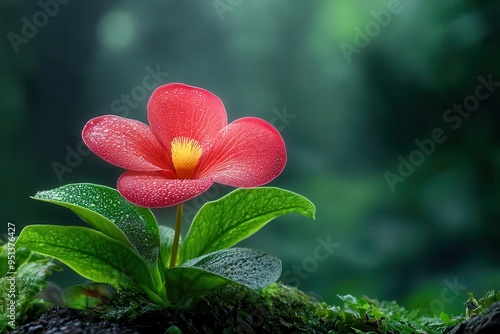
point(60, 320)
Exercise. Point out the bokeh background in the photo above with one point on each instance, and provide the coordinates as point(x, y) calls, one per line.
point(350, 84)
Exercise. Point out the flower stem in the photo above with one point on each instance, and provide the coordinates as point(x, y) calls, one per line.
point(177, 234)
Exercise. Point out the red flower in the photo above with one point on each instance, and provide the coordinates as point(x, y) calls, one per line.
point(187, 147)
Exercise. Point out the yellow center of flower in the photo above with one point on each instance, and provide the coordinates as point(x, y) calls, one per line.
point(186, 154)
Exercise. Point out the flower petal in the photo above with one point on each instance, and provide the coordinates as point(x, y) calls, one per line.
point(249, 152)
point(126, 143)
point(180, 110)
point(155, 189)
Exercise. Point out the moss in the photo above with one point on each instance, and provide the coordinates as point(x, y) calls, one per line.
point(276, 309)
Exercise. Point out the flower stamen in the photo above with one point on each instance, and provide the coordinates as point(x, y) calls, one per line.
point(186, 154)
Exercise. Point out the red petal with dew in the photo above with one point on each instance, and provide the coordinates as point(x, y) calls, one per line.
point(154, 189)
point(249, 152)
point(126, 143)
point(181, 110)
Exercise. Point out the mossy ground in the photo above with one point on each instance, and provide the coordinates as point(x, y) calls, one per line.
point(281, 309)
point(275, 309)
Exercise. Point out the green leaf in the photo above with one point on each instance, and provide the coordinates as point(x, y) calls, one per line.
point(187, 283)
point(197, 277)
point(85, 296)
point(445, 317)
point(26, 282)
point(166, 242)
point(376, 312)
point(8, 252)
point(90, 253)
point(223, 223)
point(105, 209)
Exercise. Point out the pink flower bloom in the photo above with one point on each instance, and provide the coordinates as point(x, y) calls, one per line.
point(187, 147)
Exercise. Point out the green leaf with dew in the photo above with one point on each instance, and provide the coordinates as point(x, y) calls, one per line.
point(197, 277)
point(166, 243)
point(88, 252)
point(223, 223)
point(105, 209)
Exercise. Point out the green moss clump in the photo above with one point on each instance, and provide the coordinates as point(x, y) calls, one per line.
point(276, 309)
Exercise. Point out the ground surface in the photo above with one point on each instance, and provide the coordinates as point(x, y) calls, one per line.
point(276, 309)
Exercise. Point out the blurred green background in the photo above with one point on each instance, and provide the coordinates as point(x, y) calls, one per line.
point(353, 86)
